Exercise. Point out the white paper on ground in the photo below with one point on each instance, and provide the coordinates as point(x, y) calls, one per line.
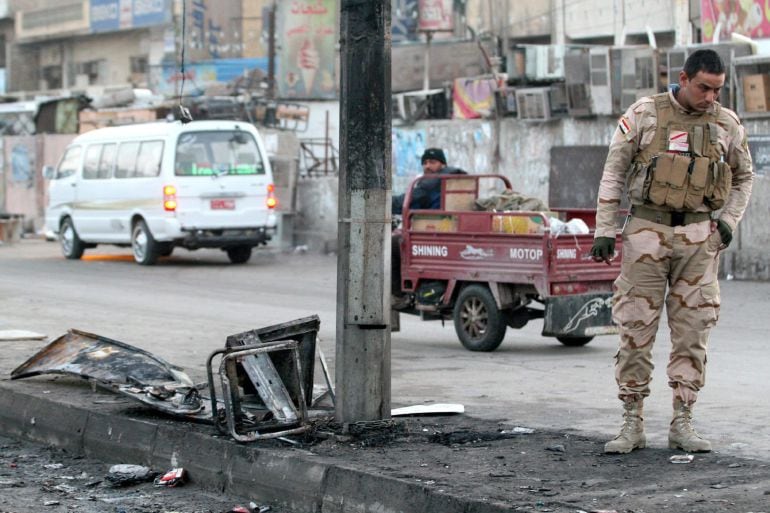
point(427, 409)
point(10, 335)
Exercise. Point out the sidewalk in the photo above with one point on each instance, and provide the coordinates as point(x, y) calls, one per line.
point(432, 464)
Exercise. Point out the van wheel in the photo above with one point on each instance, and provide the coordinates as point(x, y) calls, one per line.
point(71, 245)
point(146, 249)
point(239, 254)
point(574, 341)
point(479, 324)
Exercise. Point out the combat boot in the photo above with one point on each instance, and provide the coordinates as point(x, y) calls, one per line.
point(682, 435)
point(632, 433)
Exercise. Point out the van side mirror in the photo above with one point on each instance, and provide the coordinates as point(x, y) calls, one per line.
point(49, 172)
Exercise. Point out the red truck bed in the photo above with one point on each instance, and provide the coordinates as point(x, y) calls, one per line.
point(517, 255)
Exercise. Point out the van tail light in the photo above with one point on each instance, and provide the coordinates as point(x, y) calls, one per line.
point(271, 201)
point(169, 198)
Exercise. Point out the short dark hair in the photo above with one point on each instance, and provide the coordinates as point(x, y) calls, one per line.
point(704, 60)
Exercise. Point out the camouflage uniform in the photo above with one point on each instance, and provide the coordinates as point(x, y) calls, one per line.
point(656, 255)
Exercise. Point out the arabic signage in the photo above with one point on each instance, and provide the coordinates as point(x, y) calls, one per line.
point(747, 17)
point(436, 15)
point(308, 35)
point(166, 79)
point(109, 15)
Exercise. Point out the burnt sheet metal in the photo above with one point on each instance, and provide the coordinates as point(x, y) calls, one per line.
point(122, 368)
point(281, 415)
point(304, 331)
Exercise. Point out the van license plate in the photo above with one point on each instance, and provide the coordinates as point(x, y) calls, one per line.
point(222, 204)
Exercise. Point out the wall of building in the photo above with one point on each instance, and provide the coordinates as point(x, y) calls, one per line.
point(525, 158)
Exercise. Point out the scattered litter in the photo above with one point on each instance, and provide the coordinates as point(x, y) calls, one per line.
point(51, 503)
point(681, 458)
point(556, 448)
point(428, 409)
point(604, 511)
point(718, 486)
point(734, 465)
point(124, 475)
point(11, 483)
point(15, 335)
point(252, 508)
point(53, 466)
point(522, 430)
point(174, 477)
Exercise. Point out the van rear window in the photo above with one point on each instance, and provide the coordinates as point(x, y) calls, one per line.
point(220, 152)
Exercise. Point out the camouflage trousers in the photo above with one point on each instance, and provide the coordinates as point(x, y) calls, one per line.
point(678, 266)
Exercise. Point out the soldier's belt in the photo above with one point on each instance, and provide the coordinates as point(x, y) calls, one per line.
point(668, 218)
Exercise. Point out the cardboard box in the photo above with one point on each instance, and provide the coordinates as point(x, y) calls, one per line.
point(756, 93)
point(432, 223)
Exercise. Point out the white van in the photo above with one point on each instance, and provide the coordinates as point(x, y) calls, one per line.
point(156, 186)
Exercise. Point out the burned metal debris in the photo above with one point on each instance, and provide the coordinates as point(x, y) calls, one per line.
point(122, 368)
point(266, 378)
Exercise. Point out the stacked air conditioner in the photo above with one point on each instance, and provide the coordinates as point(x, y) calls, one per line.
point(634, 74)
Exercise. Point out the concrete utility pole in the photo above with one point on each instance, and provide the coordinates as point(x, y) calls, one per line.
point(362, 365)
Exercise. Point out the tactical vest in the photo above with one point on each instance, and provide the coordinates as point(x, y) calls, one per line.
point(683, 167)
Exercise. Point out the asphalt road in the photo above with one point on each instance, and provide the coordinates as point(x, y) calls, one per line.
point(184, 307)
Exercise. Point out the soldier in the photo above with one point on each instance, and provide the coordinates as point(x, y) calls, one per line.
point(684, 162)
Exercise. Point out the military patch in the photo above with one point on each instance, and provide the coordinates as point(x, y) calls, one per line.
point(624, 126)
point(677, 141)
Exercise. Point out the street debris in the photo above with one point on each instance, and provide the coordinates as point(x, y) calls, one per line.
point(17, 335)
point(556, 448)
point(428, 409)
point(119, 367)
point(125, 475)
point(174, 477)
point(251, 508)
point(681, 458)
point(266, 385)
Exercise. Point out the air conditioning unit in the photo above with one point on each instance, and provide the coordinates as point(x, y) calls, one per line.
point(600, 80)
point(577, 82)
point(727, 51)
point(533, 103)
point(558, 99)
point(545, 62)
point(635, 74)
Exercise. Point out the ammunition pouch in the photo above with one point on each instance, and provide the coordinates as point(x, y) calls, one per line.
point(682, 183)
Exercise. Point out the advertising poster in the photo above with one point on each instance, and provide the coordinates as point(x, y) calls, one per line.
point(746, 17)
point(306, 62)
point(436, 15)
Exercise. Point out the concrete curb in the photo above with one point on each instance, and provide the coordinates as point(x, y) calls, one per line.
point(296, 480)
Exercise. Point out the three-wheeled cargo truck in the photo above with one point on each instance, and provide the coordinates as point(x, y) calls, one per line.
point(492, 269)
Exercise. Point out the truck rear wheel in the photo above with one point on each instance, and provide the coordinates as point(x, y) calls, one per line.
point(574, 341)
point(478, 322)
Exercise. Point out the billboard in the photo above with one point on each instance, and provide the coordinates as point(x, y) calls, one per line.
point(111, 15)
point(308, 34)
point(436, 15)
point(747, 17)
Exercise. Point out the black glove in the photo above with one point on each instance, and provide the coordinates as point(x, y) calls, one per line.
point(725, 232)
point(603, 249)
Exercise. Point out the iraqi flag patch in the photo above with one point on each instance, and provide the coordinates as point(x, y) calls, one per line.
point(625, 128)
